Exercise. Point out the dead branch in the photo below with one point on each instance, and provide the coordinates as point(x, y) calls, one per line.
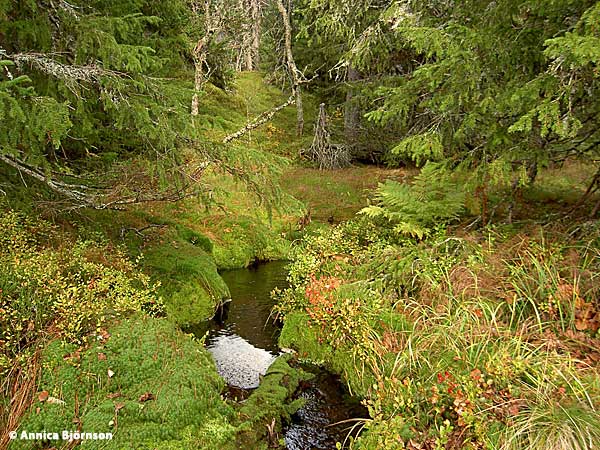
point(328, 155)
point(259, 120)
point(592, 188)
point(295, 74)
point(72, 75)
point(84, 196)
point(73, 192)
point(138, 231)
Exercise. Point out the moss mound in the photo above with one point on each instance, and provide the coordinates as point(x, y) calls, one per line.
point(270, 405)
point(145, 382)
point(191, 286)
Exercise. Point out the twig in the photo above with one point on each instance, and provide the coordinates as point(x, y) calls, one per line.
point(138, 231)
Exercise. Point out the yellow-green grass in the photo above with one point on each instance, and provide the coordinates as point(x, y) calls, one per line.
point(337, 195)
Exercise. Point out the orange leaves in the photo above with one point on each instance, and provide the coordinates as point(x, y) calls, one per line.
point(43, 396)
point(586, 316)
point(475, 374)
point(146, 397)
point(319, 293)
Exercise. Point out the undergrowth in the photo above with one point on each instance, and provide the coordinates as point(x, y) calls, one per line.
point(475, 340)
point(144, 381)
point(67, 289)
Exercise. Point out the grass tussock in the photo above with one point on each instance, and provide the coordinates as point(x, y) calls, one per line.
point(487, 339)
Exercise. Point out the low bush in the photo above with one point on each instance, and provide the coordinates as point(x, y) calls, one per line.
point(483, 340)
point(67, 291)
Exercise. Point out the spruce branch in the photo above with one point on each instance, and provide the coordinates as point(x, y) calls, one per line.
point(99, 198)
point(72, 75)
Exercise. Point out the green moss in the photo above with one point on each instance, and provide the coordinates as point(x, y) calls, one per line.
point(245, 240)
point(191, 286)
point(271, 402)
point(144, 356)
point(299, 334)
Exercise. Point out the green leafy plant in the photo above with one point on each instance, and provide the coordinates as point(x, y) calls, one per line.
point(432, 199)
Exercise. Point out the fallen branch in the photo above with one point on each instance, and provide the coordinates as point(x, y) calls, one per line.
point(258, 121)
point(138, 231)
point(74, 192)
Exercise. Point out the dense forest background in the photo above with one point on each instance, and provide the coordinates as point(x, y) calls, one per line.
point(431, 169)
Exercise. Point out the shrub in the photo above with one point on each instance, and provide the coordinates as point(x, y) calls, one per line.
point(471, 342)
point(71, 291)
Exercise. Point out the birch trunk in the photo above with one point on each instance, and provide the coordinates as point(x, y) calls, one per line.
point(199, 79)
point(256, 24)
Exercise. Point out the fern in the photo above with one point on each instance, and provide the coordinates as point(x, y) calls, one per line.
point(421, 147)
point(434, 197)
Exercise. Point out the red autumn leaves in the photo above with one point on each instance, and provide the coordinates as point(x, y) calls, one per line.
point(321, 298)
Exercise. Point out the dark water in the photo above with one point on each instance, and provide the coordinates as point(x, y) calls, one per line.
point(243, 341)
point(248, 314)
point(317, 424)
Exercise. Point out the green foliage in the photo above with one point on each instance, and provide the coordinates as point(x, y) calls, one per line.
point(245, 240)
point(103, 389)
point(74, 289)
point(96, 100)
point(470, 83)
point(420, 148)
point(29, 120)
point(432, 199)
point(429, 334)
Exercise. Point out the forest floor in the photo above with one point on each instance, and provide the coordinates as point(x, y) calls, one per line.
point(467, 360)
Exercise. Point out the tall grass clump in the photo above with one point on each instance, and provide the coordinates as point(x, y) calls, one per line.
point(483, 340)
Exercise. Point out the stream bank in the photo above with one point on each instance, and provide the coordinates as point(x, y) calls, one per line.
point(243, 340)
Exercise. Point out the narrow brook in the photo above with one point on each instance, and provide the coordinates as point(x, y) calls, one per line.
point(243, 341)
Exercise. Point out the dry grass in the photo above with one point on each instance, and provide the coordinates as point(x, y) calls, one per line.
point(20, 386)
point(338, 195)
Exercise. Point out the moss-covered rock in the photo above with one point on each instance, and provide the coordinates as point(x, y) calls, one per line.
point(148, 384)
point(190, 284)
point(270, 405)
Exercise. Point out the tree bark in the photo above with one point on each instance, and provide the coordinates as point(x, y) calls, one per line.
point(299, 112)
point(351, 110)
point(256, 28)
point(213, 23)
point(199, 60)
point(292, 69)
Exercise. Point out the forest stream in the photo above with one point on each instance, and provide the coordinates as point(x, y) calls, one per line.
point(242, 339)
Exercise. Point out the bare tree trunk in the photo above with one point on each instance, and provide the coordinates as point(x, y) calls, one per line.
point(292, 69)
point(241, 59)
point(256, 24)
point(199, 60)
point(299, 112)
point(351, 110)
point(212, 26)
point(248, 53)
